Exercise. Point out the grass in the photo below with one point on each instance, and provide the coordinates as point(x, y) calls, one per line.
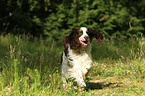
point(32, 68)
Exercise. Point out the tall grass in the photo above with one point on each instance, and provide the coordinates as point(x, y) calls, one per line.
point(32, 68)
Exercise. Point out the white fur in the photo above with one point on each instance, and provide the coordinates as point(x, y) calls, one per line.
point(77, 62)
point(84, 29)
point(77, 68)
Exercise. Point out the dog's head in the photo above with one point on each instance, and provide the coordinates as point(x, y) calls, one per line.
point(80, 37)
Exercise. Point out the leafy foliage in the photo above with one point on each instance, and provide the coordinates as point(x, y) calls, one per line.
point(56, 19)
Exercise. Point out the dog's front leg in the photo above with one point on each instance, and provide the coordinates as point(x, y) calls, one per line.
point(79, 79)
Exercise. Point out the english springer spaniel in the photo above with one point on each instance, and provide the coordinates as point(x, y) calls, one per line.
point(76, 57)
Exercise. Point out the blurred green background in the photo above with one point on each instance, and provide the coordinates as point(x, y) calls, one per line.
point(55, 18)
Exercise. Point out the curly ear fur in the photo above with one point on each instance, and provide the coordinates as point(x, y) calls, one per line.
point(95, 34)
point(72, 39)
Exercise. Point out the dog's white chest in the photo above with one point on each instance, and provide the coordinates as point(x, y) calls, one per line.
point(80, 60)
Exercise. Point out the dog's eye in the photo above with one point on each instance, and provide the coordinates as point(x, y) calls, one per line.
point(81, 32)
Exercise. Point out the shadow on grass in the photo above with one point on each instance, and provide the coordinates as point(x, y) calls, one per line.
point(100, 85)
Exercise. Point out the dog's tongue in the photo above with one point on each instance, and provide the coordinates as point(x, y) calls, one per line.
point(84, 44)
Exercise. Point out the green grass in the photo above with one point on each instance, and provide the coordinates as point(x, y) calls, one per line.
point(32, 68)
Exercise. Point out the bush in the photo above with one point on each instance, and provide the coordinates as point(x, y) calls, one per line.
point(116, 19)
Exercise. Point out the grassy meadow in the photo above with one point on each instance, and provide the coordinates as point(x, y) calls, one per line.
point(32, 68)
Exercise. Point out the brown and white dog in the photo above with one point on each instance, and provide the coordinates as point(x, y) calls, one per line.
point(76, 58)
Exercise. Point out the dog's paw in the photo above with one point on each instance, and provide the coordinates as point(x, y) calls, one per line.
point(83, 85)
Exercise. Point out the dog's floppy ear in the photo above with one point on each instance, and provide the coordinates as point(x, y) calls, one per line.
point(72, 39)
point(95, 34)
point(68, 37)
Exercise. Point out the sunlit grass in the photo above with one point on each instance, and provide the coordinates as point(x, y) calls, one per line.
point(33, 68)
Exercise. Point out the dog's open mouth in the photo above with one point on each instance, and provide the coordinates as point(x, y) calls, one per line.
point(84, 43)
